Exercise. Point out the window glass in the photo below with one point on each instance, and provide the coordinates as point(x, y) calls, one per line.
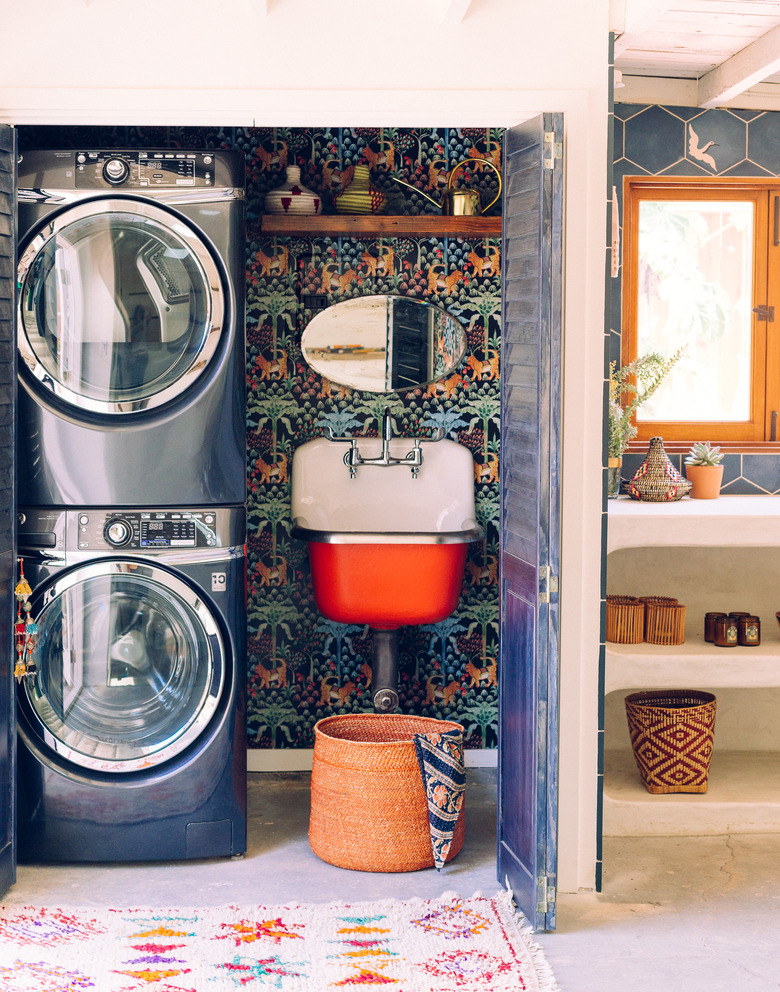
point(694, 289)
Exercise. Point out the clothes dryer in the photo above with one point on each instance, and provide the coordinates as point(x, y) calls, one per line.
point(131, 328)
point(132, 735)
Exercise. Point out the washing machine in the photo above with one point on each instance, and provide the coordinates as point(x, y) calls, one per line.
point(132, 728)
point(130, 328)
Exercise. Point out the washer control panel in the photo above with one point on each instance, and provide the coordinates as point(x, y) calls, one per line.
point(136, 169)
point(139, 530)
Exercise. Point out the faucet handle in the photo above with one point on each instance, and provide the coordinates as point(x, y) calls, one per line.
point(335, 437)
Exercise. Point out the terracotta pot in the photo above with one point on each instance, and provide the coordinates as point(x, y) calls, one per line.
point(705, 480)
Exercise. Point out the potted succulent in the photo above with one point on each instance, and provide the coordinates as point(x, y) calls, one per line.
point(704, 469)
point(629, 387)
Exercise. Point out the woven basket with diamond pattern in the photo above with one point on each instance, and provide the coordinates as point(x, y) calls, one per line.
point(672, 734)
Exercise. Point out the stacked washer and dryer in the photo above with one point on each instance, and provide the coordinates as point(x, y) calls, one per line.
point(132, 524)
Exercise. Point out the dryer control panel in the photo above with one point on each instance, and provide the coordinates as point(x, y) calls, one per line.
point(143, 169)
point(50, 531)
point(138, 530)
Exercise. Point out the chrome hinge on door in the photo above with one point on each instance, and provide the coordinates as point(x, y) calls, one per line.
point(552, 149)
point(545, 894)
point(548, 584)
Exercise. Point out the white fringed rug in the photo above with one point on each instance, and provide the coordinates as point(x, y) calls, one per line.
point(446, 945)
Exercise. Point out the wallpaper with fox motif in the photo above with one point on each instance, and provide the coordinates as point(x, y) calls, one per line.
point(301, 666)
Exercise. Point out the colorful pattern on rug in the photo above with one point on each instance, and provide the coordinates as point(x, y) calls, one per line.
point(447, 945)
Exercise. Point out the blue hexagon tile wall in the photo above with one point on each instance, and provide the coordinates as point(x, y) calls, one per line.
point(689, 141)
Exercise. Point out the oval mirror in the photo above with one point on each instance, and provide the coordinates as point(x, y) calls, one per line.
point(383, 344)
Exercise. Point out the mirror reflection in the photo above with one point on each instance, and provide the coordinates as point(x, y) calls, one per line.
point(383, 344)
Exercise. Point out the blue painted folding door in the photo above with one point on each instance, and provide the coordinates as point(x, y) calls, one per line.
point(530, 511)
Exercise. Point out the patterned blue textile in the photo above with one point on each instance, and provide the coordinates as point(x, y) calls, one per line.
point(444, 777)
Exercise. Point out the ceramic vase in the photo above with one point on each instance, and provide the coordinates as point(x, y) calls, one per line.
point(705, 480)
point(360, 196)
point(292, 197)
point(657, 480)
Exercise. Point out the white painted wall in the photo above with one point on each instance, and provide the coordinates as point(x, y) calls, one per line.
point(398, 63)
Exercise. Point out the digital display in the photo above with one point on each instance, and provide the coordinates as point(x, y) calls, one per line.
point(168, 534)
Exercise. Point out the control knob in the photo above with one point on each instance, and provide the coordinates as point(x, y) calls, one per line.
point(116, 171)
point(117, 532)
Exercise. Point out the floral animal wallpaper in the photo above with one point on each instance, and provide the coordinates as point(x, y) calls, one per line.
point(300, 666)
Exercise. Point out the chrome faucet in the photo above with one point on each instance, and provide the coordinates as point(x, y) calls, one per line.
point(413, 459)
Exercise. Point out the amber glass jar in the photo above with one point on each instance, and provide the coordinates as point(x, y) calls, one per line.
point(709, 625)
point(749, 631)
point(725, 632)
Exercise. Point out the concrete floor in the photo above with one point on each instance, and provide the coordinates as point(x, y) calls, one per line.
point(695, 913)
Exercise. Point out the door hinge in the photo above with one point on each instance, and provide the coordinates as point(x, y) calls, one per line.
point(552, 149)
point(548, 584)
point(545, 894)
point(765, 313)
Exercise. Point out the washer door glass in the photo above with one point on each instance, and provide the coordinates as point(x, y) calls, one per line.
point(120, 306)
point(130, 666)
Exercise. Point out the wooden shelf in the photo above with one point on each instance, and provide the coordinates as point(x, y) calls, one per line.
point(729, 521)
point(383, 226)
point(648, 666)
point(743, 797)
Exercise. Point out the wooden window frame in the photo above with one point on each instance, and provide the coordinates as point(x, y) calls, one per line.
point(755, 433)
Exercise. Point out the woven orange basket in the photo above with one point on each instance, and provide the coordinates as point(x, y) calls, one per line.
point(368, 806)
point(672, 733)
point(665, 623)
point(625, 620)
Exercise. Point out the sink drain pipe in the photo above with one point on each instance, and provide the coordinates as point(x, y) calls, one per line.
point(384, 672)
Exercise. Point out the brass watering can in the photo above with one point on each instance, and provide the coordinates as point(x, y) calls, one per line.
point(460, 202)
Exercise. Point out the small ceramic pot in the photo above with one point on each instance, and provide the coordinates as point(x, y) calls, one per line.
point(705, 480)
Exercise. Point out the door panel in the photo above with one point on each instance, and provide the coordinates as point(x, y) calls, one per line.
point(530, 510)
point(7, 505)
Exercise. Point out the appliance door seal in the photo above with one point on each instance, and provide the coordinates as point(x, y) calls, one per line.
point(131, 666)
point(121, 306)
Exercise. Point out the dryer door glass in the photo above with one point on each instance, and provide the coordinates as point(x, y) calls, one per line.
point(120, 306)
point(131, 666)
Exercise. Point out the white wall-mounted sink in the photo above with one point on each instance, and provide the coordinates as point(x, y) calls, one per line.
point(386, 548)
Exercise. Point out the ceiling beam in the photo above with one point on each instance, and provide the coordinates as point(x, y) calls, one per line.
point(633, 17)
point(752, 65)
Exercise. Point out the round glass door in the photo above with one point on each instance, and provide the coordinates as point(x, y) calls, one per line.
point(130, 666)
point(120, 306)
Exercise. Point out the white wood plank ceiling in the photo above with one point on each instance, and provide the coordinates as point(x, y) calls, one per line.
point(727, 51)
